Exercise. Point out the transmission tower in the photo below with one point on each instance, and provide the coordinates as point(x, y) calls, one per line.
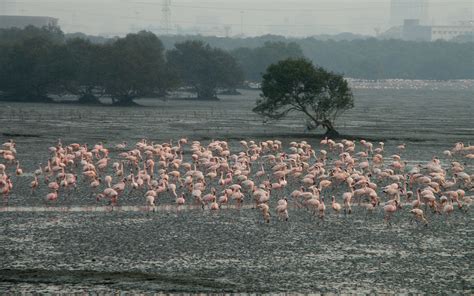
point(166, 12)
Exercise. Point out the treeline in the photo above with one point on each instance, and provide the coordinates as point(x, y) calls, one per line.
point(230, 43)
point(363, 58)
point(385, 59)
point(367, 58)
point(36, 63)
point(254, 61)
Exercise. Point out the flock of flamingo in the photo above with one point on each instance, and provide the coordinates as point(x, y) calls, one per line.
point(262, 174)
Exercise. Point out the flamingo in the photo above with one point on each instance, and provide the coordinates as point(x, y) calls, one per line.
point(339, 166)
point(108, 181)
point(150, 202)
point(347, 198)
point(223, 199)
point(180, 201)
point(34, 184)
point(335, 206)
point(19, 171)
point(5, 188)
point(265, 212)
point(282, 208)
point(52, 196)
point(95, 184)
point(214, 205)
point(418, 215)
point(53, 185)
point(261, 172)
point(417, 203)
point(321, 208)
point(448, 208)
point(390, 209)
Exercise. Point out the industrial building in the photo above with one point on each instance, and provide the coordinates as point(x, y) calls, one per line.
point(450, 32)
point(401, 10)
point(409, 20)
point(414, 31)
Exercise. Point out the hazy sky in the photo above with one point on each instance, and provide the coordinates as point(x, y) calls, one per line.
point(257, 17)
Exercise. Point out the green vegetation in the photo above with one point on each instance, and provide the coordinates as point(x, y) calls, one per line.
point(254, 61)
point(204, 68)
point(32, 63)
point(135, 68)
point(296, 85)
point(383, 59)
point(36, 63)
point(367, 58)
point(88, 80)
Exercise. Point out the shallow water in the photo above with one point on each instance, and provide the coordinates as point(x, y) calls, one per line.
point(234, 251)
point(78, 245)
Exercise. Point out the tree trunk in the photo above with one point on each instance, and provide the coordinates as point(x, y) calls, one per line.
point(230, 92)
point(89, 98)
point(206, 94)
point(124, 101)
point(330, 130)
point(37, 97)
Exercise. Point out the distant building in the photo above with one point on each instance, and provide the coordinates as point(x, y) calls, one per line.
point(450, 32)
point(412, 30)
point(401, 10)
point(392, 33)
point(17, 21)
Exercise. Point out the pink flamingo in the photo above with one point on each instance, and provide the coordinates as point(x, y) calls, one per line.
point(282, 209)
point(19, 171)
point(390, 209)
point(321, 207)
point(223, 199)
point(265, 212)
point(214, 205)
point(52, 196)
point(335, 206)
point(34, 184)
point(418, 215)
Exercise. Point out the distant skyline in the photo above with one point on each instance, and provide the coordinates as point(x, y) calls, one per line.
point(226, 17)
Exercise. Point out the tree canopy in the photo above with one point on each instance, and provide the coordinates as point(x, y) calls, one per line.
point(296, 85)
point(38, 62)
point(89, 63)
point(135, 67)
point(17, 35)
point(204, 68)
point(254, 61)
point(33, 63)
point(358, 56)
